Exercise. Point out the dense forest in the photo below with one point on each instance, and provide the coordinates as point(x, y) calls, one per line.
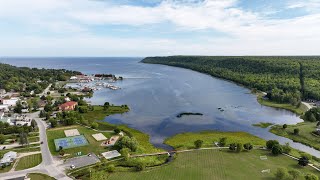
point(23, 79)
point(286, 78)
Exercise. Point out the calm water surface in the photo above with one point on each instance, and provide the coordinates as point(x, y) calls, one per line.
point(157, 93)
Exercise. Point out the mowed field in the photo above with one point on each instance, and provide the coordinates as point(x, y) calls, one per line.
point(217, 165)
point(93, 146)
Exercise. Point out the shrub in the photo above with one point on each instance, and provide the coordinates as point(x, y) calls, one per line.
point(295, 174)
point(223, 141)
point(303, 161)
point(232, 146)
point(271, 143)
point(117, 130)
point(311, 177)
point(239, 147)
point(281, 173)
point(198, 143)
point(296, 131)
point(94, 125)
point(284, 126)
point(140, 166)
point(248, 146)
point(111, 168)
point(276, 149)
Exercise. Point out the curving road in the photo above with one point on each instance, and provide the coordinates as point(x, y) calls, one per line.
point(48, 165)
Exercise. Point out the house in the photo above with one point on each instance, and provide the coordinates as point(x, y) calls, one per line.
point(4, 108)
point(68, 106)
point(10, 102)
point(5, 119)
point(8, 158)
point(2, 92)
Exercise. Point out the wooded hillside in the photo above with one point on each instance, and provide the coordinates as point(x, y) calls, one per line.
point(286, 76)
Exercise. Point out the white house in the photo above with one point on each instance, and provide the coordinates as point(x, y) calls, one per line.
point(4, 108)
point(8, 158)
point(10, 102)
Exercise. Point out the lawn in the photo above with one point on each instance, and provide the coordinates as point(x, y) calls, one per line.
point(29, 161)
point(305, 135)
point(94, 146)
point(216, 165)
point(99, 113)
point(300, 110)
point(186, 140)
point(5, 169)
point(38, 176)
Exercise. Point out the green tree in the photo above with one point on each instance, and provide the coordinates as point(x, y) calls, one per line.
point(33, 123)
point(239, 147)
point(18, 107)
point(276, 149)
point(284, 126)
point(198, 143)
point(117, 130)
point(295, 174)
point(271, 143)
point(311, 176)
point(125, 153)
point(2, 138)
point(232, 146)
point(140, 166)
point(281, 173)
point(223, 141)
point(127, 142)
point(53, 123)
point(106, 105)
point(94, 125)
point(296, 131)
point(61, 152)
point(248, 146)
point(111, 168)
point(303, 161)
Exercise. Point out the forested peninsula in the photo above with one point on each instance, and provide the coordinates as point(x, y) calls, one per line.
point(287, 79)
point(24, 79)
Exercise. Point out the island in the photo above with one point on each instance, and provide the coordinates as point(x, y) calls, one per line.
point(188, 114)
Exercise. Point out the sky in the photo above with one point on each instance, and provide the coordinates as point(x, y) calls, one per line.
point(159, 27)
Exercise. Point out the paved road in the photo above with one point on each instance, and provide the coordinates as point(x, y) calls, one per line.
point(307, 105)
point(48, 165)
point(45, 91)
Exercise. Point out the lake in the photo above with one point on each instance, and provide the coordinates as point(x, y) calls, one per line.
point(157, 93)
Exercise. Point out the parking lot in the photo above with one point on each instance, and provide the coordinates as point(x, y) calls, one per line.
point(81, 161)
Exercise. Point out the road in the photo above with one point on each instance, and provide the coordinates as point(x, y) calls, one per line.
point(48, 165)
point(44, 93)
point(307, 105)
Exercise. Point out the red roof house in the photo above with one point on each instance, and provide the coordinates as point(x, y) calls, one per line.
point(68, 106)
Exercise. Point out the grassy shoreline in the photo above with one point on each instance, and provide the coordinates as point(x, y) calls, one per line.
point(299, 111)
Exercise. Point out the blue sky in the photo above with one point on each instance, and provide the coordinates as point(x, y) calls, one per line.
point(159, 27)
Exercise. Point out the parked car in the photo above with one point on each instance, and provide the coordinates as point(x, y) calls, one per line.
point(72, 166)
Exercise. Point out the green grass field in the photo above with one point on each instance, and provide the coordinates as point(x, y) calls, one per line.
point(29, 161)
point(305, 135)
point(93, 146)
point(300, 110)
point(217, 165)
point(186, 140)
point(38, 176)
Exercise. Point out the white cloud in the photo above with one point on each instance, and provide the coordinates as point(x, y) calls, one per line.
point(249, 32)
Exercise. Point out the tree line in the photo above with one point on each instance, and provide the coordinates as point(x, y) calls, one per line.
point(287, 79)
point(24, 79)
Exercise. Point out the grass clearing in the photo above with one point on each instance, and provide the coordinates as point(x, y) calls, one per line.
point(262, 124)
point(305, 135)
point(186, 140)
point(216, 165)
point(300, 110)
point(29, 161)
point(38, 176)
